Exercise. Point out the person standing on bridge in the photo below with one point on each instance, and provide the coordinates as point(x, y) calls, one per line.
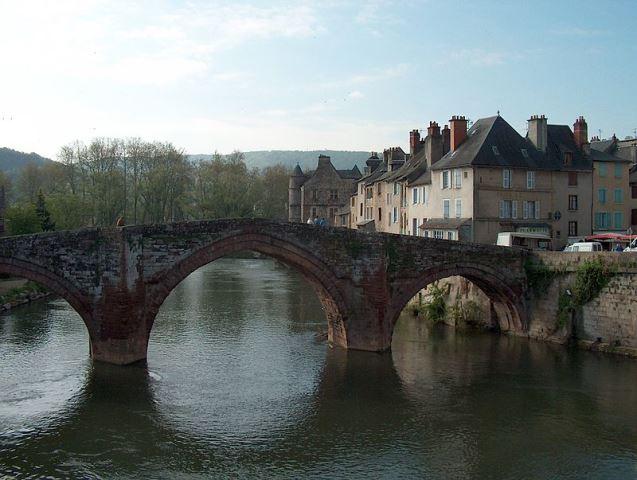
point(309, 221)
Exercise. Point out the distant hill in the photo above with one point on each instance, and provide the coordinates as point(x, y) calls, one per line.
point(263, 158)
point(12, 161)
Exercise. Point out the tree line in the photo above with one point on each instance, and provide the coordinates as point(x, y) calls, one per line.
point(142, 182)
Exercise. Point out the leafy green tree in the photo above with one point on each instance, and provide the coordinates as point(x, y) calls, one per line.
point(46, 224)
point(22, 219)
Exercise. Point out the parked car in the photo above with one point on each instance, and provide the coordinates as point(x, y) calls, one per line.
point(632, 247)
point(584, 247)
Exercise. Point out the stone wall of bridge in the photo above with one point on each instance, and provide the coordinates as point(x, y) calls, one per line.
point(608, 322)
point(118, 278)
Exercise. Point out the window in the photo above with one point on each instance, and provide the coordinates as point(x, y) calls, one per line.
point(332, 214)
point(445, 208)
point(602, 220)
point(505, 208)
point(495, 150)
point(506, 178)
point(618, 170)
point(601, 195)
point(465, 174)
point(369, 193)
point(388, 199)
point(415, 195)
point(426, 234)
point(361, 211)
point(633, 216)
point(439, 234)
point(425, 192)
point(525, 152)
point(531, 209)
point(395, 188)
point(314, 214)
point(458, 207)
point(315, 195)
point(619, 220)
point(445, 179)
point(619, 195)
point(378, 188)
point(572, 229)
point(395, 214)
point(572, 179)
point(388, 219)
point(603, 169)
point(530, 180)
point(514, 209)
point(572, 202)
point(353, 201)
point(457, 178)
point(633, 191)
point(449, 235)
point(568, 158)
point(333, 194)
point(414, 226)
point(380, 215)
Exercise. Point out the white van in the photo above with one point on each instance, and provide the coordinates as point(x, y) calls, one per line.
point(584, 247)
point(533, 241)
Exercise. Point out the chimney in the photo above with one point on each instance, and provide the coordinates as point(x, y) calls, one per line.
point(537, 131)
point(458, 131)
point(414, 142)
point(580, 132)
point(434, 143)
point(446, 140)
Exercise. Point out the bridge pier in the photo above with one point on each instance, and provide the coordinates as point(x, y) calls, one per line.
point(120, 351)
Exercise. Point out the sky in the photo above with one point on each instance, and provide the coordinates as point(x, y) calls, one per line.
point(344, 75)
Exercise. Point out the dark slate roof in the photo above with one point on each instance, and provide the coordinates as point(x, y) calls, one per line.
point(424, 179)
point(604, 145)
point(370, 178)
point(600, 156)
point(492, 142)
point(559, 141)
point(297, 171)
point(354, 173)
point(478, 149)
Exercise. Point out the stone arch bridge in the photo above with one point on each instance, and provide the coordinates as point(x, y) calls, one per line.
point(118, 278)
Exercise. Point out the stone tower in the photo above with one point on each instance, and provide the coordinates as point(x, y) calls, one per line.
point(294, 194)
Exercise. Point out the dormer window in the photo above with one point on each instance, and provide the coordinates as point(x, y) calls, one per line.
point(495, 150)
point(568, 158)
point(525, 152)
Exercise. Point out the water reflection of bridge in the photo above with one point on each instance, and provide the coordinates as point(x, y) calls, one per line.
point(439, 406)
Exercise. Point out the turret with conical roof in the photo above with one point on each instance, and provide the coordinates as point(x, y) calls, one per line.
point(294, 194)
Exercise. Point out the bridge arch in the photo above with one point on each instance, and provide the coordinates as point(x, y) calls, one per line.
point(506, 298)
point(56, 284)
point(316, 272)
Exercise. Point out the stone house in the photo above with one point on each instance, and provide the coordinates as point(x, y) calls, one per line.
point(320, 193)
point(612, 194)
point(494, 180)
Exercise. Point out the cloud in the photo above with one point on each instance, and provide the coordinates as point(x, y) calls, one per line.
point(132, 43)
point(386, 73)
point(478, 57)
point(355, 95)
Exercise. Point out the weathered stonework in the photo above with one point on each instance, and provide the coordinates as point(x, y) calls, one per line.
point(118, 278)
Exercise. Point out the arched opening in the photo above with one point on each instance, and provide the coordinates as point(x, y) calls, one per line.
point(43, 339)
point(238, 335)
point(472, 294)
point(315, 272)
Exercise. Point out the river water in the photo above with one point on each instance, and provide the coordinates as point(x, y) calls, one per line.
point(237, 386)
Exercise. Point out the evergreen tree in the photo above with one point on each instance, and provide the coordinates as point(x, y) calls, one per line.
point(46, 223)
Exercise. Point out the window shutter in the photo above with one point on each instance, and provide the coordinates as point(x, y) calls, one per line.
point(514, 209)
point(525, 210)
point(537, 209)
point(501, 208)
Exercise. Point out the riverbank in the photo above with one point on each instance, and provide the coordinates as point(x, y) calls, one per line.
point(17, 291)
